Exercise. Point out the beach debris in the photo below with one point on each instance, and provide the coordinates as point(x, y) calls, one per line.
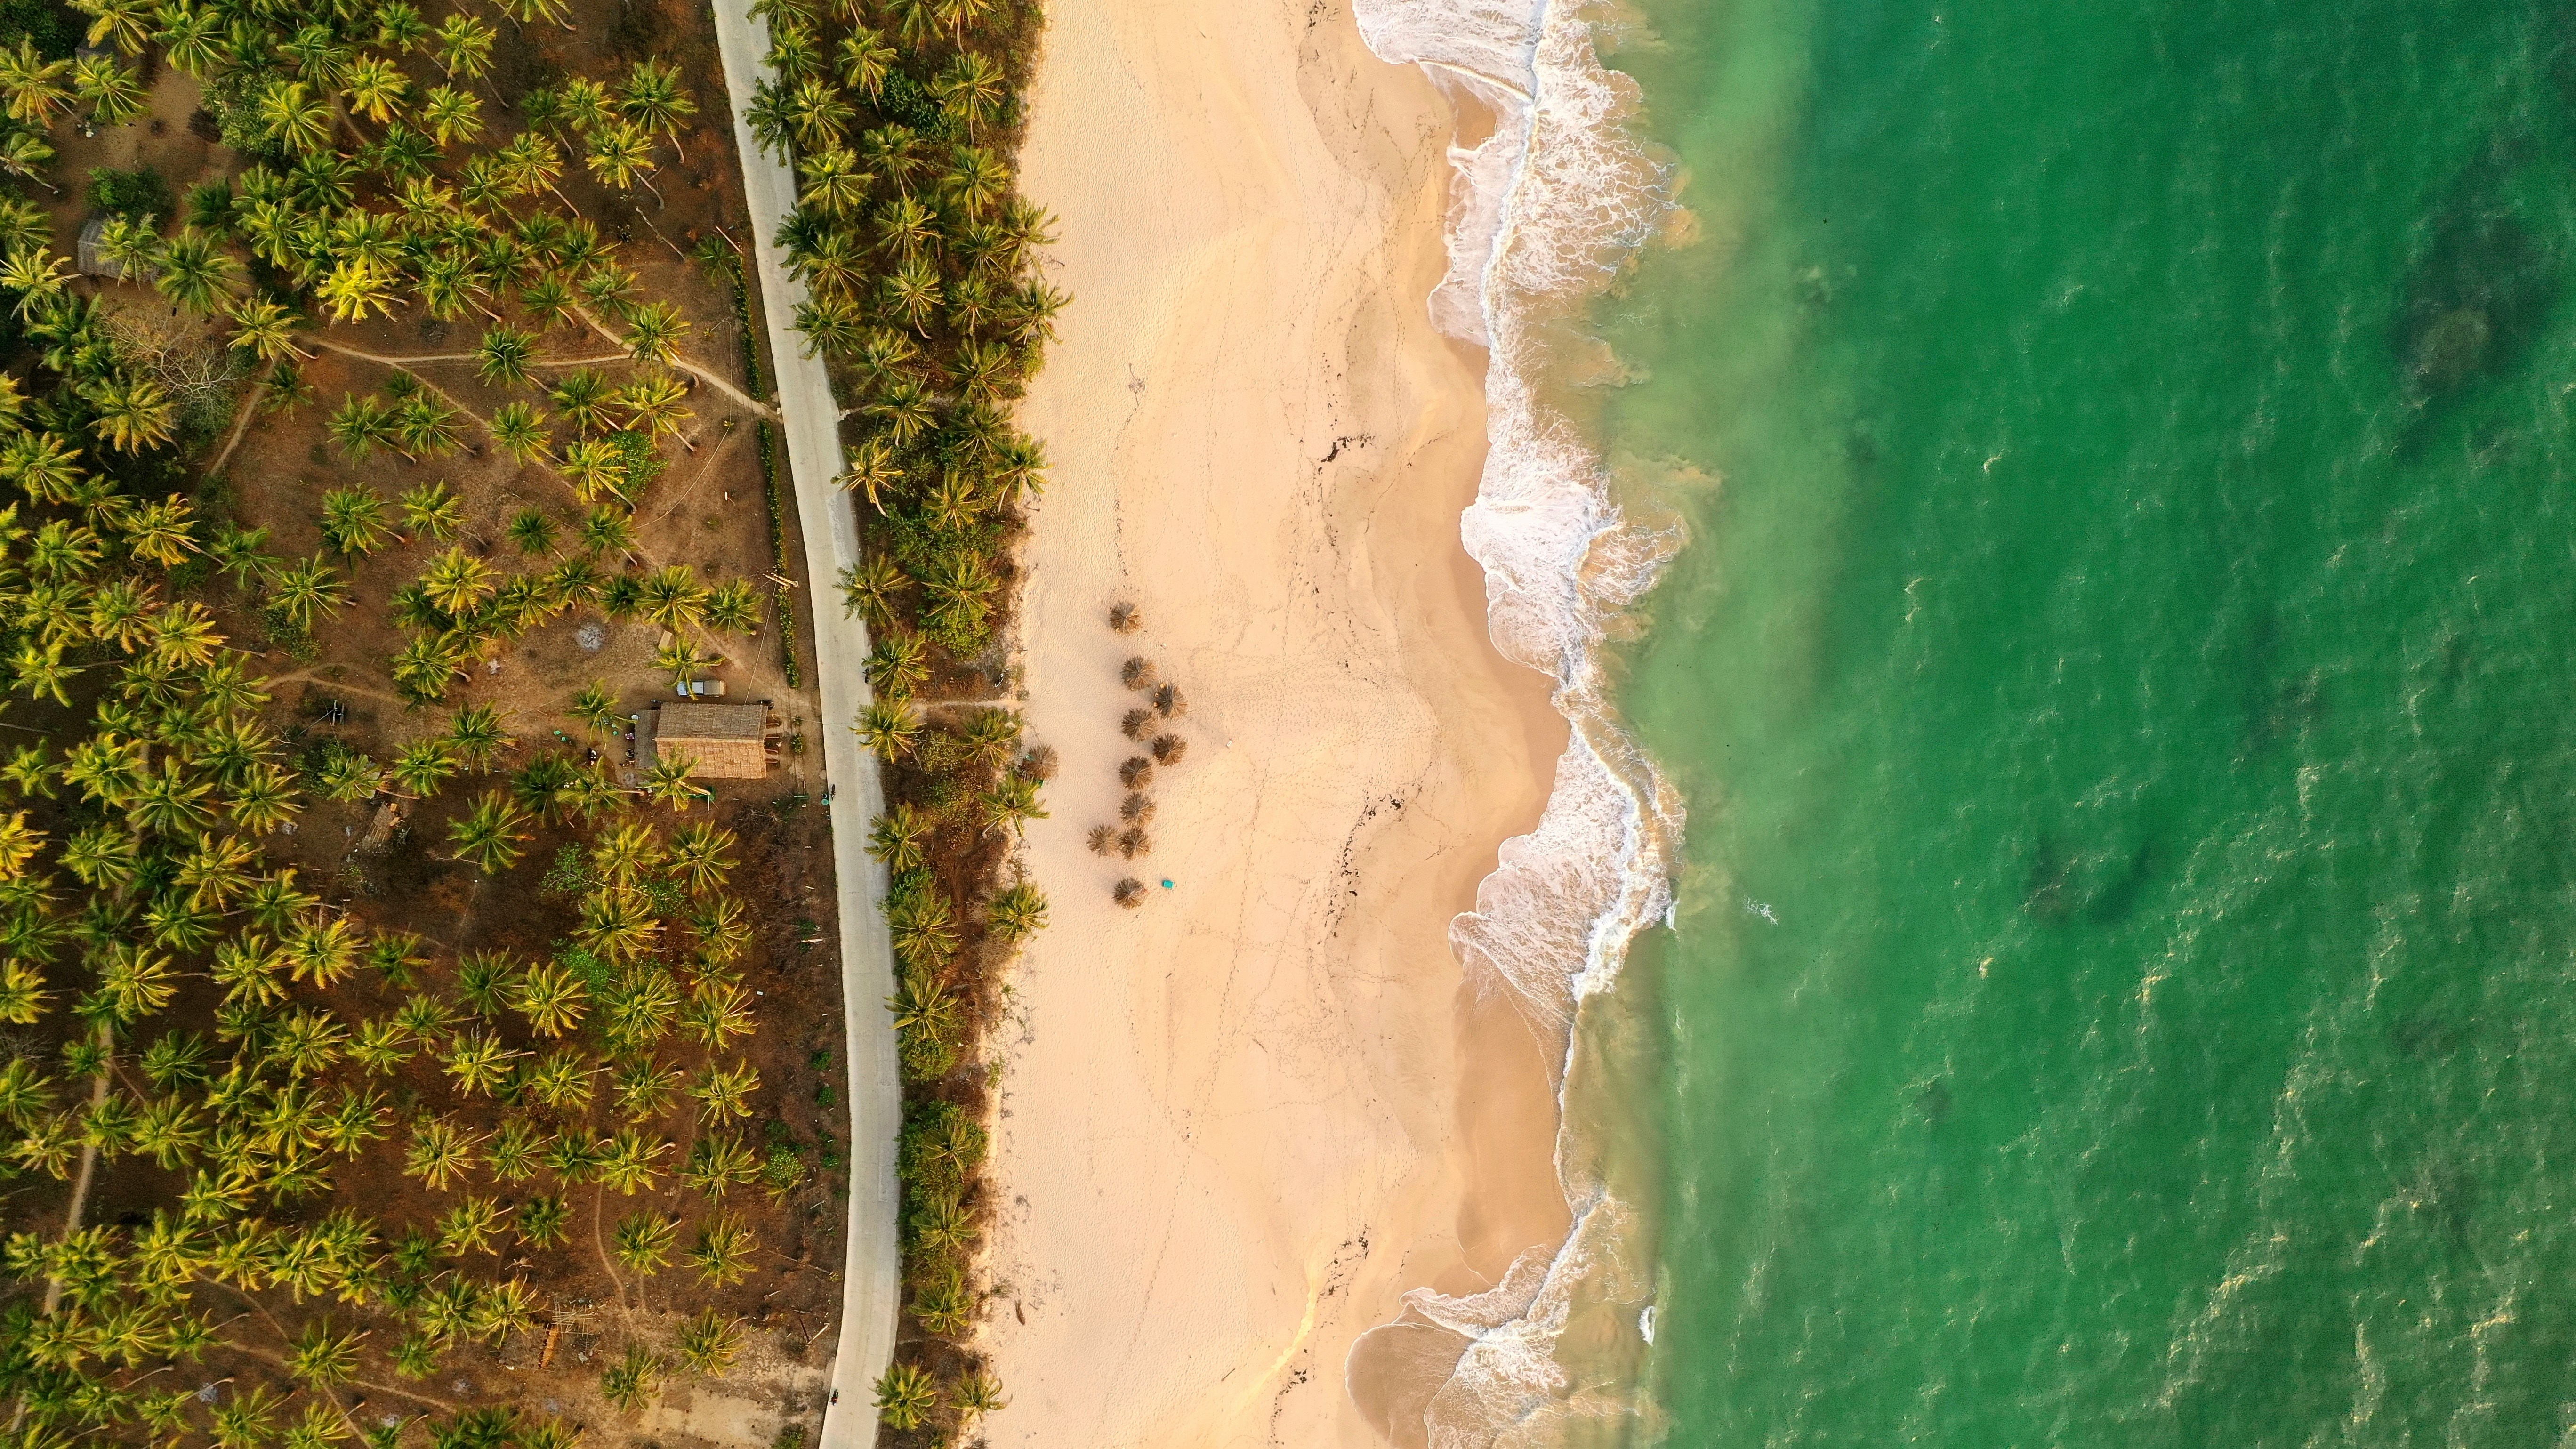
point(1103, 839)
point(1168, 749)
point(1125, 618)
point(1136, 723)
point(1167, 885)
point(1137, 773)
point(1168, 701)
point(1137, 673)
point(1137, 809)
point(1133, 842)
point(1129, 893)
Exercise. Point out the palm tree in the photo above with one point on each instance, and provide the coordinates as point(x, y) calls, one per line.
point(583, 398)
point(667, 783)
point(630, 1163)
point(923, 928)
point(477, 735)
point(159, 532)
point(264, 329)
point(1012, 802)
point(654, 99)
point(293, 116)
point(655, 401)
point(422, 767)
point(519, 428)
point(359, 426)
point(1017, 912)
point(723, 1253)
point(906, 1395)
point(632, 1381)
point(710, 1342)
point(126, 24)
point(888, 728)
point(34, 86)
point(469, 1226)
point(597, 709)
point(904, 409)
point(552, 998)
point(26, 154)
point(426, 426)
point(478, 1062)
point(353, 522)
point(524, 11)
point(734, 607)
point(653, 332)
point(440, 1151)
point(34, 273)
point(264, 800)
point(433, 510)
point(114, 92)
point(924, 1010)
point(644, 1240)
point(194, 272)
point(620, 854)
point(865, 61)
point(898, 666)
point(835, 263)
point(672, 597)
point(456, 582)
point(954, 503)
point(374, 86)
point(503, 357)
point(452, 115)
point(697, 856)
point(726, 1093)
point(134, 413)
point(621, 155)
point(683, 660)
point(548, 299)
point(617, 923)
point(492, 835)
point(942, 1222)
point(911, 292)
point(869, 588)
point(355, 287)
point(465, 47)
point(533, 532)
point(979, 1393)
point(832, 325)
point(834, 182)
point(945, 1305)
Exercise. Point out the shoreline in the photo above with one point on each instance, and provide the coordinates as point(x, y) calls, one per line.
point(1238, 1124)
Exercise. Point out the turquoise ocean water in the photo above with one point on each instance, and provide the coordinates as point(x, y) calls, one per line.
point(2123, 985)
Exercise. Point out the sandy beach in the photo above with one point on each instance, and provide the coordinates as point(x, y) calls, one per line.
point(1239, 1122)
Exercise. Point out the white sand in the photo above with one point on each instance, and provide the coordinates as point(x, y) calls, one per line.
point(1238, 1122)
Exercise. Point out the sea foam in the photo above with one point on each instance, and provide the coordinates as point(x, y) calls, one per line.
point(1543, 212)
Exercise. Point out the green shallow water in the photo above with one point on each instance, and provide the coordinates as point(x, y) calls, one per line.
point(2124, 989)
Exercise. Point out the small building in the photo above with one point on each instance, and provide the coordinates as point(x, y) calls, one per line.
point(727, 741)
point(91, 256)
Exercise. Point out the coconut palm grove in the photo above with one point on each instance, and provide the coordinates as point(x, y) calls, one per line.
point(373, 382)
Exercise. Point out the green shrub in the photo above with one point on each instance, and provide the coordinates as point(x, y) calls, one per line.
point(50, 26)
point(139, 192)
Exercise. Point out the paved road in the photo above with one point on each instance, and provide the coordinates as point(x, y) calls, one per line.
point(871, 1279)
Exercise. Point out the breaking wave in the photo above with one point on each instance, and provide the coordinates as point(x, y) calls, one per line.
point(1544, 210)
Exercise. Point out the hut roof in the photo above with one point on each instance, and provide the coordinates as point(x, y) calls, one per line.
point(92, 258)
point(725, 740)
